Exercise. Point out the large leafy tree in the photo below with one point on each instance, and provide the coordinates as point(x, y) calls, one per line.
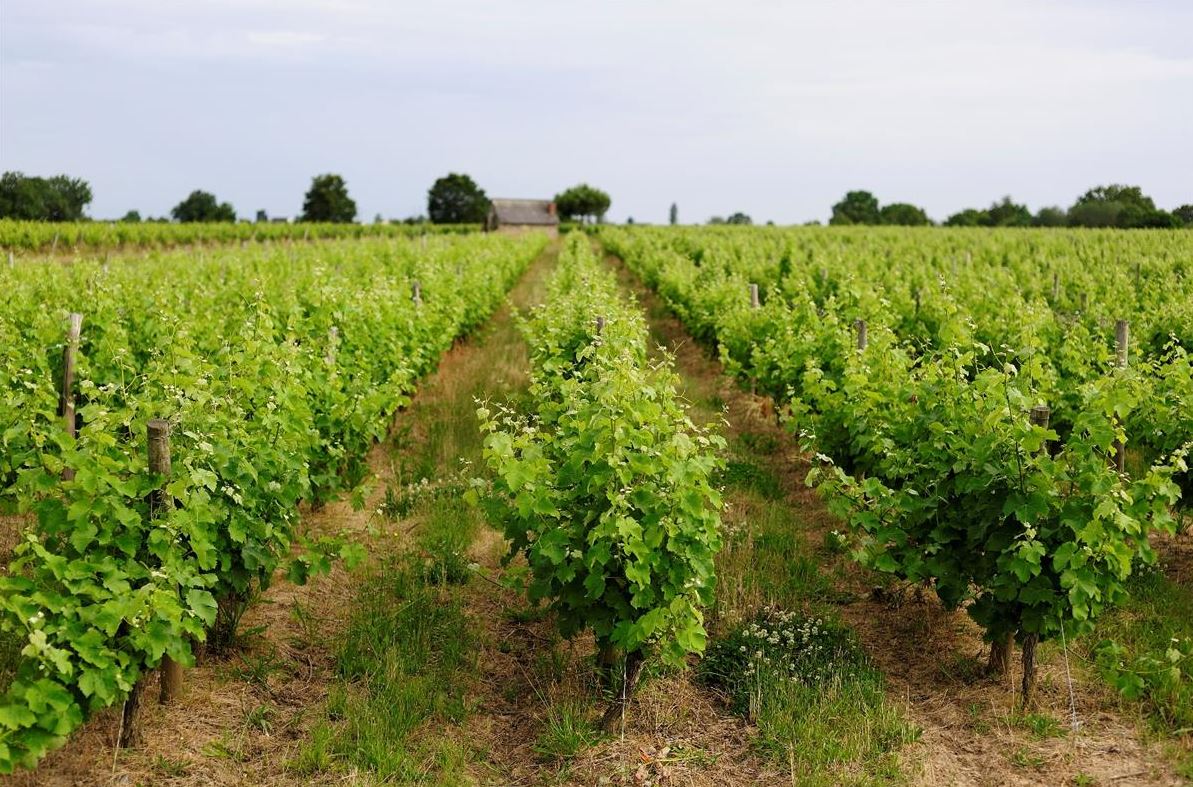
point(970, 217)
point(904, 214)
point(203, 206)
point(583, 203)
point(327, 200)
point(1050, 217)
point(1184, 214)
point(1118, 205)
point(456, 199)
point(858, 207)
point(60, 198)
point(1006, 213)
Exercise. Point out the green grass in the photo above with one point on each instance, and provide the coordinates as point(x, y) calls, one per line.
point(568, 729)
point(403, 661)
point(820, 707)
point(1145, 649)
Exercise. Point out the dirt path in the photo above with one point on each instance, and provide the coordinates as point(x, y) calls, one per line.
point(971, 733)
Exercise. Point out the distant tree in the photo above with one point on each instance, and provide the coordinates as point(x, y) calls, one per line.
point(1050, 217)
point(584, 203)
point(674, 216)
point(60, 198)
point(629, 220)
point(327, 200)
point(132, 217)
point(970, 217)
point(904, 214)
point(716, 220)
point(262, 217)
point(1006, 213)
point(202, 206)
point(1118, 205)
point(456, 199)
point(739, 218)
point(378, 219)
point(1184, 214)
point(858, 207)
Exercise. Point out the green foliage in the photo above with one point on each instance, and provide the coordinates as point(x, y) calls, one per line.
point(268, 408)
point(739, 218)
point(1117, 205)
point(780, 645)
point(157, 233)
point(1184, 214)
point(327, 201)
point(903, 214)
point(583, 203)
point(926, 446)
point(673, 215)
point(132, 217)
point(1050, 217)
point(201, 206)
point(60, 198)
point(858, 207)
point(606, 486)
point(817, 701)
point(456, 199)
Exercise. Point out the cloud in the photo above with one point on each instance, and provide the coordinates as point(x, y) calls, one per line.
point(775, 108)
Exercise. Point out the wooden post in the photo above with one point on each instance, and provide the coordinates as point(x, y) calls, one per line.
point(1040, 415)
point(754, 302)
point(54, 244)
point(11, 262)
point(600, 324)
point(333, 337)
point(1122, 336)
point(862, 339)
point(66, 398)
point(416, 290)
point(1084, 300)
point(1055, 286)
point(1122, 340)
point(306, 233)
point(159, 464)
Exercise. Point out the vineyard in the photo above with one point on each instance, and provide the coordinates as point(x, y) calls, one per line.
point(695, 513)
point(271, 372)
point(88, 236)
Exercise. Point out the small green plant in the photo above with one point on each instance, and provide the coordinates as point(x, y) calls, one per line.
point(816, 699)
point(1039, 725)
point(568, 729)
point(1024, 758)
point(171, 767)
point(260, 718)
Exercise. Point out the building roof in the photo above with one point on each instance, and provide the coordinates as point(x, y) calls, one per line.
point(524, 211)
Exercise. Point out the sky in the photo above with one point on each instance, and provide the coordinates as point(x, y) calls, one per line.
point(768, 107)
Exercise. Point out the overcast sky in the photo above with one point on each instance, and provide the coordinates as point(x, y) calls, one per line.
point(772, 108)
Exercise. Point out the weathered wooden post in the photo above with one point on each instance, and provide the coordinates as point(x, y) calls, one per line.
point(333, 340)
point(159, 465)
point(416, 292)
point(1040, 415)
point(66, 398)
point(1122, 335)
point(600, 324)
point(754, 302)
point(862, 339)
point(1084, 301)
point(12, 263)
point(1055, 286)
point(54, 244)
point(1122, 340)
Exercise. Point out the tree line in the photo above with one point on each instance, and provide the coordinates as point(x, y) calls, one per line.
point(1116, 205)
point(452, 199)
